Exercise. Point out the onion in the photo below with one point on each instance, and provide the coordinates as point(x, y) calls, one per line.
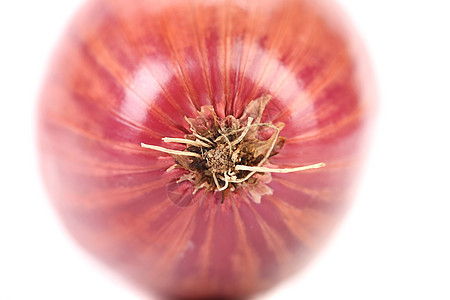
point(204, 149)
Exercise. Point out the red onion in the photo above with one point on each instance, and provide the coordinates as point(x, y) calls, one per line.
point(255, 113)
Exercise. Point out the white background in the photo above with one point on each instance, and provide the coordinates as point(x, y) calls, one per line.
point(395, 243)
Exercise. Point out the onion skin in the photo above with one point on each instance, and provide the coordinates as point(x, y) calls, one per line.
point(129, 71)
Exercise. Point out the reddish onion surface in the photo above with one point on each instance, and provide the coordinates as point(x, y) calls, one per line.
point(129, 71)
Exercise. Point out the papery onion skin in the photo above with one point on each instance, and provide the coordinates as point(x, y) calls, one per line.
point(129, 71)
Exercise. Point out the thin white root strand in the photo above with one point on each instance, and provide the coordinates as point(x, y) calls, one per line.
point(217, 182)
point(275, 137)
point(203, 139)
point(183, 141)
point(170, 151)
point(203, 144)
point(171, 168)
point(287, 170)
point(196, 143)
point(228, 142)
point(244, 133)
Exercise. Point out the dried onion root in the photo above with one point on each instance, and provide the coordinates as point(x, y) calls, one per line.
point(230, 153)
